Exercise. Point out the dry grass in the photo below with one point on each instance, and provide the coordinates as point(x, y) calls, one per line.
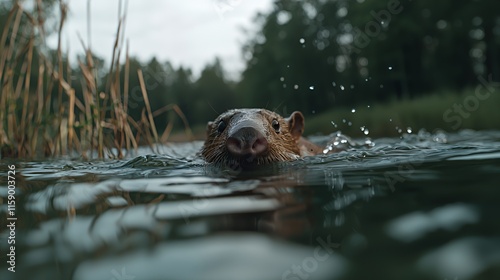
point(33, 123)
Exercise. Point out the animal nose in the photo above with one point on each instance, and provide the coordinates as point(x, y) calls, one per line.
point(246, 141)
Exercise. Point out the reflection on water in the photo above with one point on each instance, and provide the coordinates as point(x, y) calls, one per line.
point(420, 207)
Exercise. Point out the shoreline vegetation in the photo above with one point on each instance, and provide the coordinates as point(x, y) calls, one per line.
point(34, 123)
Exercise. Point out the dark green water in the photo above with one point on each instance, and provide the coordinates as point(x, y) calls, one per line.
point(425, 206)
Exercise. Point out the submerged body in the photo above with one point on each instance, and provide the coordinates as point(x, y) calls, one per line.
point(242, 138)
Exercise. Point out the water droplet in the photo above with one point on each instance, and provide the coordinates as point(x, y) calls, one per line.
point(302, 40)
point(341, 87)
point(366, 80)
point(400, 130)
point(352, 86)
point(390, 67)
point(313, 111)
point(344, 120)
point(362, 128)
point(367, 106)
point(390, 120)
point(296, 87)
point(334, 124)
point(366, 132)
point(282, 79)
point(408, 129)
point(369, 142)
point(334, 84)
point(311, 87)
point(353, 111)
point(349, 124)
point(381, 86)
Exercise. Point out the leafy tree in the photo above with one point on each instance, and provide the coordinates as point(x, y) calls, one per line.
point(312, 55)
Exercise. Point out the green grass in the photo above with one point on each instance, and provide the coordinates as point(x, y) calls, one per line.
point(424, 112)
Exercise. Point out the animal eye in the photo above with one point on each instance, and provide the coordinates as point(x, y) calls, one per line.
point(222, 125)
point(276, 125)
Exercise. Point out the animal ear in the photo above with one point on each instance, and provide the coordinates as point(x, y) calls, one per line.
point(296, 124)
point(209, 128)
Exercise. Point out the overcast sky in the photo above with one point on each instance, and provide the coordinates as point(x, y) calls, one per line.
point(189, 33)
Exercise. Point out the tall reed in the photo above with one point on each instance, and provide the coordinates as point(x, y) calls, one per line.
point(33, 123)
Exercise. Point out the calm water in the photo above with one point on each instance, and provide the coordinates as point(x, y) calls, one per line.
point(424, 206)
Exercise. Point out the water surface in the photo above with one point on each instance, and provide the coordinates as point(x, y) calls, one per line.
point(423, 206)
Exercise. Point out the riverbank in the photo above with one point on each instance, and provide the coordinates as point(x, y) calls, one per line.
point(449, 111)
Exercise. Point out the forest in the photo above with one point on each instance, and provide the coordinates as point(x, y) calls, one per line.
point(397, 64)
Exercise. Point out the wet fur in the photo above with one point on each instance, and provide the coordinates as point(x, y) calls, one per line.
point(282, 146)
